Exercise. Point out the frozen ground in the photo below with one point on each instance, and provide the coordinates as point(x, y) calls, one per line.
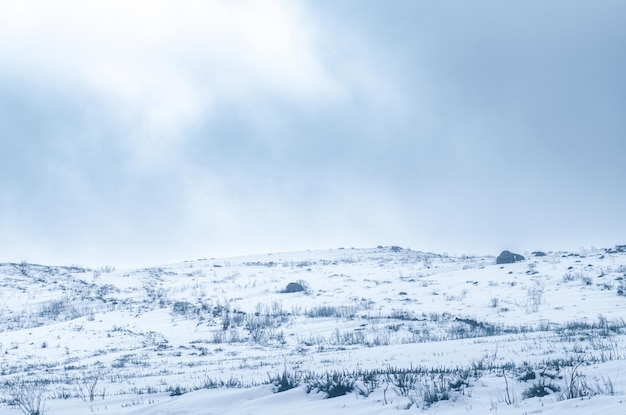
point(397, 329)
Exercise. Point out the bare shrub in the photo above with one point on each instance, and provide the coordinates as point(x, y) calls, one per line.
point(535, 299)
point(87, 386)
point(29, 397)
point(435, 390)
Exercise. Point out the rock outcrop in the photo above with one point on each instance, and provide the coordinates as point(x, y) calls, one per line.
point(508, 257)
point(294, 287)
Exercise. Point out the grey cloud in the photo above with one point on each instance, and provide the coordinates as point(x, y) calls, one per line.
point(449, 126)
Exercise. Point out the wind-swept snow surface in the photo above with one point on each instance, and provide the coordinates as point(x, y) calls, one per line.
point(375, 331)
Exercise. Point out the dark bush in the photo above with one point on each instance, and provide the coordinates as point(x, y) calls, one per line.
point(529, 375)
point(332, 384)
point(177, 391)
point(539, 390)
point(285, 381)
point(182, 307)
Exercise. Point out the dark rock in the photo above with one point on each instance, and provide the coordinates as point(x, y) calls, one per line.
point(508, 257)
point(539, 253)
point(293, 287)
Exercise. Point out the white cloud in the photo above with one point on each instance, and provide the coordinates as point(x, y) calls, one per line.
point(161, 66)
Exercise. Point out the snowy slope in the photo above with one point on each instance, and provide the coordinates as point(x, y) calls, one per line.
point(206, 336)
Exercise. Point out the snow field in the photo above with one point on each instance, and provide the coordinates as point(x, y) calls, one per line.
point(213, 332)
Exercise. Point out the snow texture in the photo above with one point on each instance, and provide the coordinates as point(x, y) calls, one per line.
point(210, 336)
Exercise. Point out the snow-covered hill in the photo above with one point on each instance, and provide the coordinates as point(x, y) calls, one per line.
point(390, 327)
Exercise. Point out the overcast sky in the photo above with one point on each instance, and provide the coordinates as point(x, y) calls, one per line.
point(137, 133)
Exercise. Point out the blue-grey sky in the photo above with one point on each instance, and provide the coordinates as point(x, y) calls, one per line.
point(146, 132)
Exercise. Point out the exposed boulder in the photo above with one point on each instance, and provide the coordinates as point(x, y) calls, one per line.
point(293, 287)
point(508, 257)
point(539, 253)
